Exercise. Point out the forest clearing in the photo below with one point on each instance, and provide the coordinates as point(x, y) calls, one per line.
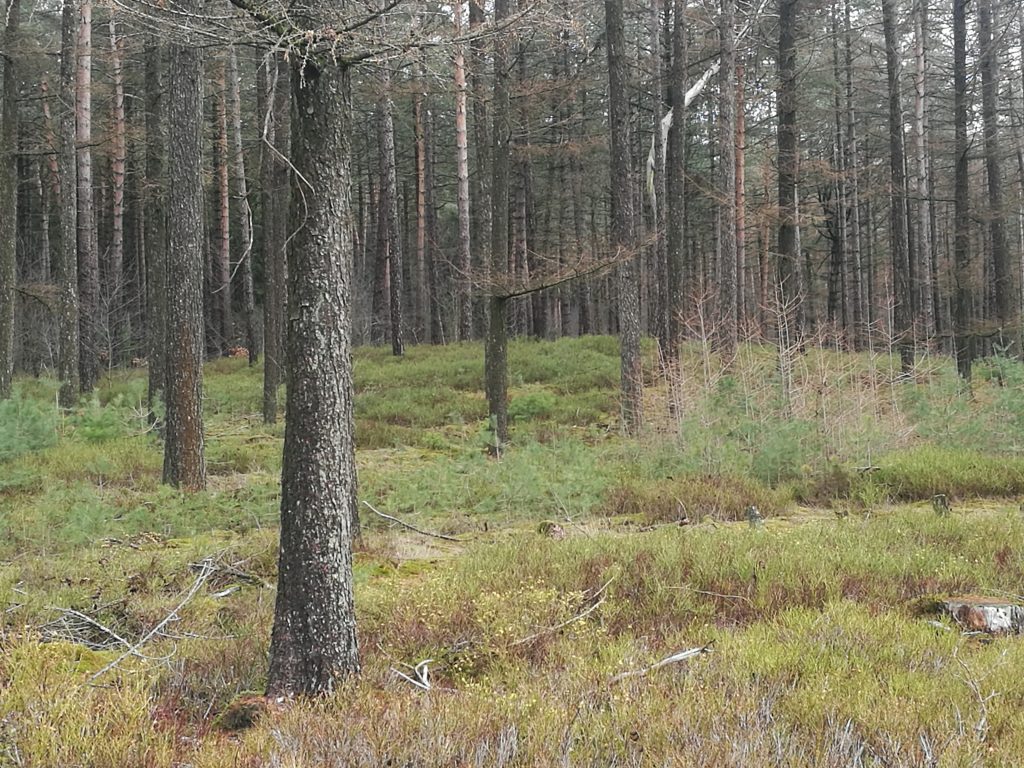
point(582, 557)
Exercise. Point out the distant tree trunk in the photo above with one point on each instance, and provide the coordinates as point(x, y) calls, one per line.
point(745, 288)
point(313, 644)
point(675, 172)
point(902, 301)
point(88, 246)
point(922, 180)
point(622, 221)
point(66, 266)
point(496, 343)
point(155, 223)
point(860, 314)
point(422, 288)
point(380, 306)
point(390, 215)
point(1005, 291)
point(220, 287)
point(480, 194)
point(463, 260)
point(728, 293)
point(117, 299)
point(840, 302)
point(8, 197)
point(184, 462)
point(791, 294)
point(276, 178)
point(962, 222)
point(243, 211)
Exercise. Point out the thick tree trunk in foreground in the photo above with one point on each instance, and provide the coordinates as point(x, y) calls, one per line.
point(184, 462)
point(314, 638)
point(8, 198)
point(66, 264)
point(622, 221)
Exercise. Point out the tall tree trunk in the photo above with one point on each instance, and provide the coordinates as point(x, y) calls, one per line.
point(962, 221)
point(313, 644)
point(243, 211)
point(155, 223)
point(119, 332)
point(88, 246)
point(860, 314)
point(8, 197)
point(463, 259)
point(840, 245)
point(276, 177)
point(1005, 291)
point(496, 343)
point(790, 293)
point(902, 301)
point(66, 266)
point(743, 299)
point(675, 173)
point(220, 287)
point(922, 179)
point(184, 461)
point(622, 220)
point(480, 193)
point(422, 291)
point(390, 215)
point(728, 294)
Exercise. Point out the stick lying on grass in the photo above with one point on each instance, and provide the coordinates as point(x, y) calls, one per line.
point(133, 650)
point(578, 617)
point(407, 525)
point(675, 658)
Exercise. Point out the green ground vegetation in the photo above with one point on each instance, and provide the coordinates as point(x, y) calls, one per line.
point(822, 646)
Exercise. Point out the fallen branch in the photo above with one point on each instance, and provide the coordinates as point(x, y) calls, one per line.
point(578, 617)
point(421, 675)
point(675, 658)
point(407, 525)
point(133, 650)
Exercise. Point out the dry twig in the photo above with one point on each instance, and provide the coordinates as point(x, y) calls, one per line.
point(407, 525)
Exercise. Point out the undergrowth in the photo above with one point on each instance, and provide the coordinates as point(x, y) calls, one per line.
point(820, 652)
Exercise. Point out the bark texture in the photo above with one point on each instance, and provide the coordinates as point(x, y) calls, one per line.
point(66, 263)
point(184, 461)
point(622, 225)
point(313, 645)
point(276, 175)
point(155, 225)
point(88, 247)
point(8, 197)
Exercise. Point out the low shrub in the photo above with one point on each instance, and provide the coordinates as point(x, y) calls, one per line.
point(25, 426)
point(696, 497)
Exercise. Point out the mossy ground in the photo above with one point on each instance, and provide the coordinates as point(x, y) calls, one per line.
point(821, 651)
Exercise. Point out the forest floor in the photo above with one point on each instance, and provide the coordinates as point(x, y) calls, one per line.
point(136, 620)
